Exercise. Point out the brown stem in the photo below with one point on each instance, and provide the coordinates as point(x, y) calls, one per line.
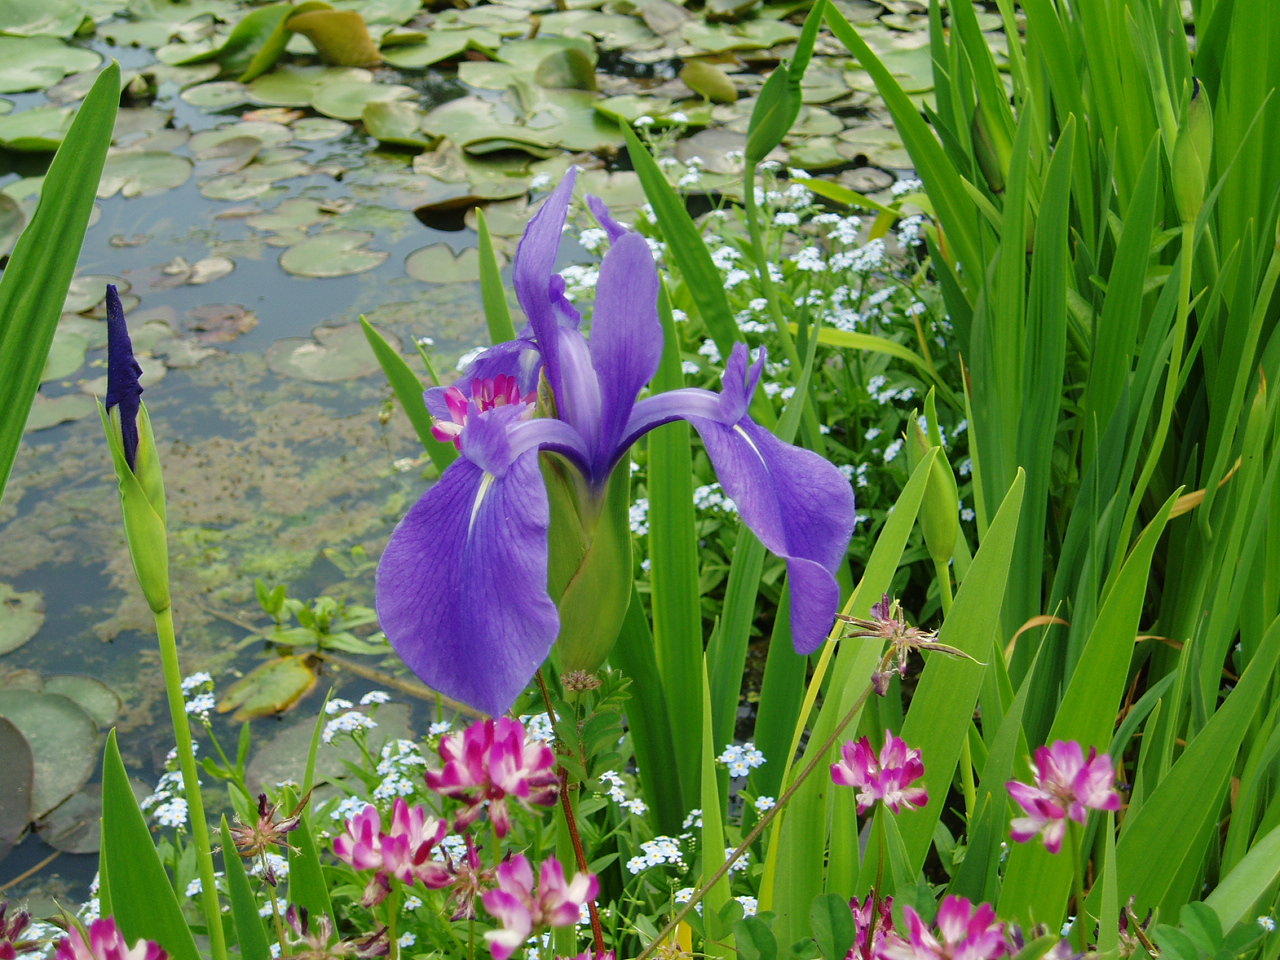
point(758, 829)
point(597, 931)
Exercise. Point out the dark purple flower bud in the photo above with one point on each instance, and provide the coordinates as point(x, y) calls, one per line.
point(123, 388)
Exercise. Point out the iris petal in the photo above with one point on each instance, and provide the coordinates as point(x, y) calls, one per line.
point(462, 586)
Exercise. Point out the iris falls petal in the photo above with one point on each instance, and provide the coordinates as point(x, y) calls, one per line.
point(462, 586)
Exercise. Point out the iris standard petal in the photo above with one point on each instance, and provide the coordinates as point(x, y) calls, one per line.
point(798, 504)
point(626, 336)
point(534, 268)
point(462, 586)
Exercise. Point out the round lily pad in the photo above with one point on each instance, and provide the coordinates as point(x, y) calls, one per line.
point(38, 130)
point(333, 254)
point(217, 95)
point(319, 128)
point(336, 353)
point(63, 739)
point(23, 616)
point(66, 355)
point(439, 264)
point(15, 798)
point(95, 698)
point(90, 289)
point(143, 173)
point(12, 220)
point(295, 86)
point(210, 143)
point(221, 322)
point(50, 411)
point(396, 121)
point(34, 63)
point(346, 101)
point(269, 688)
point(76, 825)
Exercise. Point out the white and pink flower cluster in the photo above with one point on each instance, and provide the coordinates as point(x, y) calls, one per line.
point(889, 776)
point(557, 903)
point(402, 852)
point(1067, 786)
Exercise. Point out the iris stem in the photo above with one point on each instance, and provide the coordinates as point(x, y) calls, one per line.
point(597, 930)
point(819, 758)
point(190, 781)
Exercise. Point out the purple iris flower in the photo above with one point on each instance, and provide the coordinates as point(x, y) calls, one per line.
point(123, 388)
point(462, 587)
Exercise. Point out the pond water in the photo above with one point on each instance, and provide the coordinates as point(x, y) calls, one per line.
point(243, 222)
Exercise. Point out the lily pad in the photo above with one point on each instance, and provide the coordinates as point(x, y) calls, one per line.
point(319, 128)
point(709, 80)
point(295, 86)
point(180, 272)
point(748, 35)
point(50, 411)
point(12, 220)
point(439, 264)
point(23, 616)
point(337, 253)
point(284, 756)
point(346, 101)
point(76, 825)
point(294, 214)
point(210, 143)
point(66, 355)
point(221, 322)
point(30, 18)
point(88, 290)
point(340, 36)
point(269, 688)
point(63, 739)
point(336, 353)
point(143, 173)
point(95, 698)
point(38, 130)
point(442, 45)
point(218, 95)
point(396, 121)
point(34, 63)
point(15, 798)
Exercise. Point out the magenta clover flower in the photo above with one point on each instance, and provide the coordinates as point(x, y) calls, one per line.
point(463, 585)
point(886, 777)
point(487, 763)
point(867, 946)
point(558, 902)
point(402, 852)
point(1067, 785)
point(105, 942)
point(966, 934)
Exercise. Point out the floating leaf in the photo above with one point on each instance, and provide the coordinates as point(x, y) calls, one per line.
point(76, 825)
point(218, 95)
point(38, 130)
point(15, 798)
point(270, 688)
point(439, 264)
point(246, 39)
point(30, 18)
point(294, 214)
point(36, 63)
point(221, 322)
point(142, 173)
point(749, 35)
point(341, 37)
point(50, 411)
point(396, 121)
point(346, 101)
point(319, 128)
point(442, 45)
point(63, 739)
point(333, 254)
point(211, 143)
point(709, 80)
point(94, 697)
point(66, 355)
point(23, 616)
point(295, 86)
point(570, 68)
point(12, 221)
point(336, 353)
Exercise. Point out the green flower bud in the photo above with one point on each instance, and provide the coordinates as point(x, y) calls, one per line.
point(142, 505)
point(992, 147)
point(1192, 155)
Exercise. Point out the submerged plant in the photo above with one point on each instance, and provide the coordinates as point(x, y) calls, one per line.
point(463, 588)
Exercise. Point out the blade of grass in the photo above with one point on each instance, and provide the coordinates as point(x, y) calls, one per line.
point(408, 390)
point(35, 281)
point(497, 309)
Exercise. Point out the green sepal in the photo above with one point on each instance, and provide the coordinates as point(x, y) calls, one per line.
point(589, 572)
point(142, 504)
